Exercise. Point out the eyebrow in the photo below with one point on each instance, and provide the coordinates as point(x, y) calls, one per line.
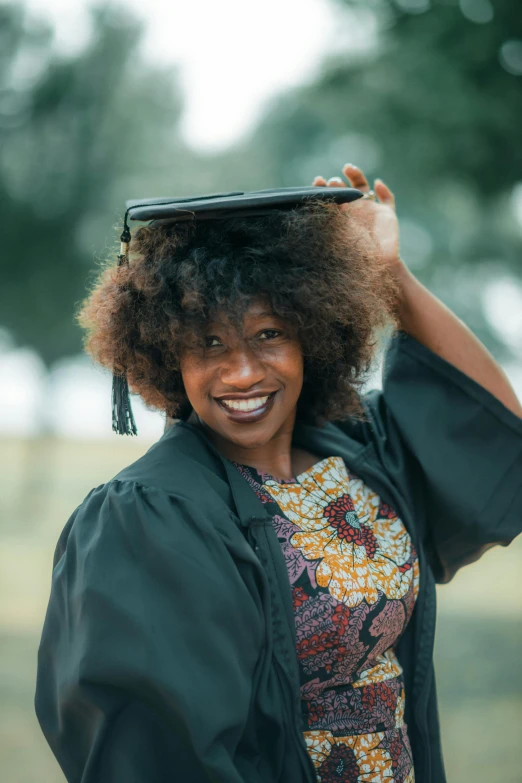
point(263, 314)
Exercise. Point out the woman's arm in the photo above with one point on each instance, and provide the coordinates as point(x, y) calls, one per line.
point(143, 676)
point(421, 314)
point(451, 448)
point(428, 320)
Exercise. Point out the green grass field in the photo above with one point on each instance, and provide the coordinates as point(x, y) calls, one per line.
point(478, 642)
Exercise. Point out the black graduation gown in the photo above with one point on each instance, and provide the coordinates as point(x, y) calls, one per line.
point(168, 648)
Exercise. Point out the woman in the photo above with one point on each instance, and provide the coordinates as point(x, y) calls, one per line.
point(254, 598)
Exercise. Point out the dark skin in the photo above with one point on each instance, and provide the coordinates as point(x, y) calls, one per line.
point(261, 361)
point(252, 362)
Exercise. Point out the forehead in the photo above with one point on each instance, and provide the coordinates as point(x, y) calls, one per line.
point(256, 310)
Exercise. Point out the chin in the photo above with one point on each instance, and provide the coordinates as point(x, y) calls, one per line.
point(248, 440)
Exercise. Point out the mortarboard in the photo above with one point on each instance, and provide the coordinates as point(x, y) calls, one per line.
point(214, 206)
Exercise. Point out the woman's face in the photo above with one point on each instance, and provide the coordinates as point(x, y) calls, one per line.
point(244, 385)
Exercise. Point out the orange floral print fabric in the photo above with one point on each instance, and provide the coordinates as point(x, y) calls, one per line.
point(354, 575)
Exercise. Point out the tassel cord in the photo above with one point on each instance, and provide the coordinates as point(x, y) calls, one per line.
point(122, 417)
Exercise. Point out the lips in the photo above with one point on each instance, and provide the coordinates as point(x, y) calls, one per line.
point(247, 409)
point(245, 405)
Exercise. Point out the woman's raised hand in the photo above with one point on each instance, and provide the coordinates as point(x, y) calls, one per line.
point(378, 218)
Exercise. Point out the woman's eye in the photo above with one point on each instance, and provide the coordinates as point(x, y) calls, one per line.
point(270, 334)
point(212, 342)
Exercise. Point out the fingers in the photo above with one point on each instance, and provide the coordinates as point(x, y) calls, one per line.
point(384, 193)
point(356, 179)
point(333, 182)
point(352, 173)
point(336, 182)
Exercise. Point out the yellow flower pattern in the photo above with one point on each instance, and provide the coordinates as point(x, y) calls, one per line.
point(360, 755)
point(350, 575)
point(354, 575)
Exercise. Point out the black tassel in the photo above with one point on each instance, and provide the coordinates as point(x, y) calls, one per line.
point(122, 418)
point(125, 238)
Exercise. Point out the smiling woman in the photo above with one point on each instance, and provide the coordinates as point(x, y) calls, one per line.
point(253, 600)
point(248, 375)
point(313, 268)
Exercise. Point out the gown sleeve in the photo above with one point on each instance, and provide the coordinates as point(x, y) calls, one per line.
point(453, 448)
point(143, 675)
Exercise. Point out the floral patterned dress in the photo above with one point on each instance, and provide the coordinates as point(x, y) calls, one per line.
point(354, 575)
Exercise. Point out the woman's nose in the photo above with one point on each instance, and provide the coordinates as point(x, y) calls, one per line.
point(242, 369)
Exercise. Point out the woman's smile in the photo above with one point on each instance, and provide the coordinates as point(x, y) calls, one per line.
point(247, 408)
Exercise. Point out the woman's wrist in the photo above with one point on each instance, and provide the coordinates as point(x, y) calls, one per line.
point(408, 283)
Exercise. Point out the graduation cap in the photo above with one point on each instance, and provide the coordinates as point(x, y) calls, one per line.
point(214, 206)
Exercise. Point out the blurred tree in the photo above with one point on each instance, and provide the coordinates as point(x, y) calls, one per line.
point(75, 135)
point(433, 105)
point(431, 102)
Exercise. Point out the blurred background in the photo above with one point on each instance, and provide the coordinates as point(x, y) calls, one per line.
point(101, 103)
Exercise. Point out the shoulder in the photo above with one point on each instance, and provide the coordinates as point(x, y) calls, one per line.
point(179, 463)
point(125, 538)
point(168, 497)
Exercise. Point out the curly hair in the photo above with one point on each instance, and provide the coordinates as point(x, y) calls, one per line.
point(313, 264)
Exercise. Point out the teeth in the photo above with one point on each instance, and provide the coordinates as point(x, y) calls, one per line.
point(246, 405)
